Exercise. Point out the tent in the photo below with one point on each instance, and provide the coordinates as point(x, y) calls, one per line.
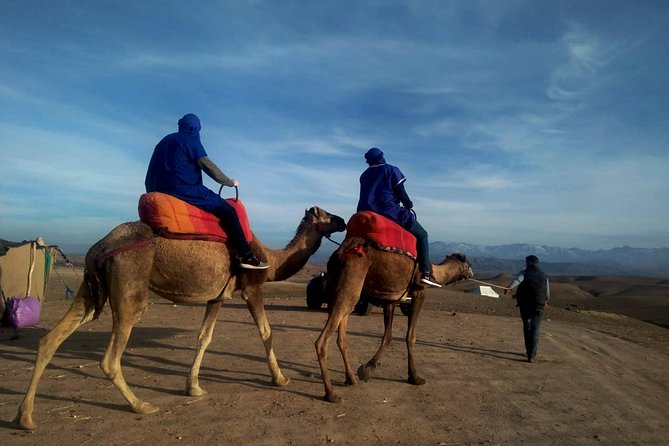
point(24, 269)
point(484, 290)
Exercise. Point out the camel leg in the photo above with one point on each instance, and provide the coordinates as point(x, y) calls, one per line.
point(203, 339)
point(365, 370)
point(254, 301)
point(342, 343)
point(416, 305)
point(322, 342)
point(77, 315)
point(346, 294)
point(127, 308)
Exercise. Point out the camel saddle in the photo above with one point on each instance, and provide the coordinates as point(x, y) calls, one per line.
point(385, 233)
point(173, 218)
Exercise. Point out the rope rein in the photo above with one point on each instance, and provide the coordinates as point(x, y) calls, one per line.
point(335, 242)
point(486, 283)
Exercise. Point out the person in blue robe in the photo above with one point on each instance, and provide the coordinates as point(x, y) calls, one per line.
point(176, 168)
point(382, 191)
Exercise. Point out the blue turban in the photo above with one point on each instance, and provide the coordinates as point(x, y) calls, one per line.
point(190, 125)
point(374, 156)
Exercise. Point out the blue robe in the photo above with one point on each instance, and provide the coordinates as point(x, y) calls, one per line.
point(377, 194)
point(174, 170)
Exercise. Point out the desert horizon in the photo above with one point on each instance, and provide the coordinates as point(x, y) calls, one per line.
point(641, 297)
point(600, 377)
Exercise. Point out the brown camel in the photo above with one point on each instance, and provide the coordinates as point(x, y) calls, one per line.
point(384, 278)
point(183, 271)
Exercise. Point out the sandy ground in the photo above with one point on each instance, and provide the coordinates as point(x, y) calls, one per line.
point(601, 378)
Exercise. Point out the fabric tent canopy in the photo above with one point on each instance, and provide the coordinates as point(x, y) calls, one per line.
point(25, 268)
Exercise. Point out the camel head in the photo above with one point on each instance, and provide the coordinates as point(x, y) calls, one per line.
point(326, 223)
point(455, 267)
point(466, 271)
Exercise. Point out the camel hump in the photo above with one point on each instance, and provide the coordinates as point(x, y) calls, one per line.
point(179, 219)
point(382, 231)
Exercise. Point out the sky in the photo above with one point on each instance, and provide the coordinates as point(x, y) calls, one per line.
point(542, 122)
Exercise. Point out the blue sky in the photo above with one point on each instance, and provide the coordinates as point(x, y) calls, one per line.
point(540, 122)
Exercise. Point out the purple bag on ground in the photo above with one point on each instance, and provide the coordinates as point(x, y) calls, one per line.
point(23, 312)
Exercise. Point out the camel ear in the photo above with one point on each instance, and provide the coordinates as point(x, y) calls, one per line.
point(313, 210)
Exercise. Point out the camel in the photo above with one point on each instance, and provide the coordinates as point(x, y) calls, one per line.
point(384, 278)
point(128, 262)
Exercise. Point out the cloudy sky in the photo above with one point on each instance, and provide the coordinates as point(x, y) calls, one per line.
point(541, 122)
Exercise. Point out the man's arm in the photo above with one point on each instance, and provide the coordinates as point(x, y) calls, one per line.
point(214, 172)
point(515, 282)
point(403, 196)
point(548, 290)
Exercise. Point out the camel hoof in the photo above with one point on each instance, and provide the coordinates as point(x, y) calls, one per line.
point(350, 381)
point(281, 381)
point(364, 373)
point(195, 391)
point(332, 398)
point(416, 381)
point(25, 422)
point(145, 408)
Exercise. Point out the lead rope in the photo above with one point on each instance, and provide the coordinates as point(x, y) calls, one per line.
point(328, 237)
point(486, 283)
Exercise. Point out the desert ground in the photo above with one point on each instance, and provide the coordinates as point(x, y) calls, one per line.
point(601, 377)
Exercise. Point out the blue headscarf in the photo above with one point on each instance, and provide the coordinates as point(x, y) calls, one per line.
point(190, 125)
point(374, 156)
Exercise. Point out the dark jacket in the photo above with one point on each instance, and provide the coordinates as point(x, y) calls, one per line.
point(532, 291)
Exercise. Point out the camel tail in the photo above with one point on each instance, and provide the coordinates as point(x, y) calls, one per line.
point(92, 293)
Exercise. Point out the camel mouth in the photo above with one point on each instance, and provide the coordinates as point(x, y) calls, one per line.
point(339, 224)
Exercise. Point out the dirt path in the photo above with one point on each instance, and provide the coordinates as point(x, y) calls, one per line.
point(589, 387)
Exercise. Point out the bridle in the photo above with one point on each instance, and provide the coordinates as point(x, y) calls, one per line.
point(325, 233)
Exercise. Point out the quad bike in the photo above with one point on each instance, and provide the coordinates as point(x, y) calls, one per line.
point(317, 296)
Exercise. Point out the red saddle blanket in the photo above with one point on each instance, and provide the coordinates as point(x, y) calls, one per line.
point(178, 219)
point(382, 230)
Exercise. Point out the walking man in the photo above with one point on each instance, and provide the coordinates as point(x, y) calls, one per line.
point(531, 298)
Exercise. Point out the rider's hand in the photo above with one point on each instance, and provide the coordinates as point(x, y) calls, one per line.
point(235, 183)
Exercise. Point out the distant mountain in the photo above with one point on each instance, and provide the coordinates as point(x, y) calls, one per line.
point(493, 265)
point(507, 258)
point(561, 261)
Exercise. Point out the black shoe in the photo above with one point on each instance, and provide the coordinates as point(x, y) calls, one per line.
point(253, 262)
point(429, 279)
point(531, 358)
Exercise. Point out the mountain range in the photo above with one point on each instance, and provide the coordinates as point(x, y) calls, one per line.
point(626, 260)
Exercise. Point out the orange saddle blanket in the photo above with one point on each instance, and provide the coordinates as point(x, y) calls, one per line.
point(381, 230)
point(177, 219)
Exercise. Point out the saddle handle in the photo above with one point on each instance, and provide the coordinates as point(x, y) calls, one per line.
point(236, 192)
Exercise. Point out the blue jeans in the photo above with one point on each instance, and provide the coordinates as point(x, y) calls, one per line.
point(422, 247)
point(229, 221)
point(531, 317)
